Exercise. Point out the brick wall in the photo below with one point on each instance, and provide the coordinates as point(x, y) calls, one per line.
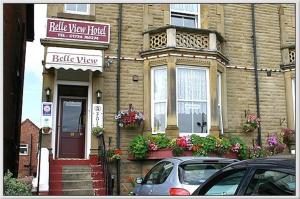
point(27, 129)
point(238, 49)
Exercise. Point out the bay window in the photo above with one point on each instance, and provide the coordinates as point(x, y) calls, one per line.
point(186, 15)
point(159, 99)
point(192, 100)
point(83, 9)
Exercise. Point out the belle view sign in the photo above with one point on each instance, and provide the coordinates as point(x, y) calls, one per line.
point(67, 58)
point(78, 30)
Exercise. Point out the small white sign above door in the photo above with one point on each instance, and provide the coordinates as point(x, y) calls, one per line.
point(97, 115)
point(72, 58)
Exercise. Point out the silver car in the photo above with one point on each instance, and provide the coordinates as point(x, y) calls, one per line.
point(178, 175)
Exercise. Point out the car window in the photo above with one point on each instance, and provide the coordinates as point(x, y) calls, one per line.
point(195, 174)
point(266, 182)
point(159, 173)
point(227, 184)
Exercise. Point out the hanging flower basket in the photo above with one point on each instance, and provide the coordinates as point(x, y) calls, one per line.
point(251, 124)
point(130, 119)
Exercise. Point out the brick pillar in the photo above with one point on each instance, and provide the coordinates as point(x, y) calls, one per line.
point(214, 126)
point(172, 129)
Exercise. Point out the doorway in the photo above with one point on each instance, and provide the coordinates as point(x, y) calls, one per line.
point(71, 121)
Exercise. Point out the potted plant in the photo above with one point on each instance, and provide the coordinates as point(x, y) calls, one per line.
point(274, 145)
point(251, 124)
point(96, 131)
point(138, 148)
point(130, 118)
point(114, 154)
point(288, 136)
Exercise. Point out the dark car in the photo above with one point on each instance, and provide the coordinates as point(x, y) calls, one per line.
point(263, 176)
point(179, 175)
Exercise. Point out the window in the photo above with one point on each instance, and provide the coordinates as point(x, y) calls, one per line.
point(266, 182)
point(186, 15)
point(159, 173)
point(219, 102)
point(83, 9)
point(159, 99)
point(23, 150)
point(192, 100)
point(294, 96)
point(195, 174)
point(227, 185)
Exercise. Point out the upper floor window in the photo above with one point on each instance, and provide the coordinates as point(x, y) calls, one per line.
point(186, 15)
point(83, 9)
point(23, 150)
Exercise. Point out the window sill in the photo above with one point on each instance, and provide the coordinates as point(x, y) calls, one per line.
point(76, 16)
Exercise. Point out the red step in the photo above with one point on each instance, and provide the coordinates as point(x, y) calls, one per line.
point(55, 182)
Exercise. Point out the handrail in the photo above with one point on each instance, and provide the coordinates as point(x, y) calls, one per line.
point(102, 155)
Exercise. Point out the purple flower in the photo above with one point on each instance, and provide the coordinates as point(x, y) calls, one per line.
point(272, 140)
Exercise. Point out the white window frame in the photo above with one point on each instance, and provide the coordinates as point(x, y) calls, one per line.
point(153, 101)
point(23, 147)
point(77, 12)
point(207, 99)
point(294, 96)
point(219, 81)
point(187, 14)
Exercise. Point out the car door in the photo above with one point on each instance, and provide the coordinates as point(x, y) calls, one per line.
point(162, 186)
point(225, 183)
point(151, 178)
point(265, 182)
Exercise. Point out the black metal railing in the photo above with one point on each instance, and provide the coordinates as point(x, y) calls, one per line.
point(103, 160)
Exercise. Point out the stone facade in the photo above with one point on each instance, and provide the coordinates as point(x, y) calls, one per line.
point(231, 25)
point(29, 131)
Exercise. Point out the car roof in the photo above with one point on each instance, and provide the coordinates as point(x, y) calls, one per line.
point(193, 159)
point(271, 161)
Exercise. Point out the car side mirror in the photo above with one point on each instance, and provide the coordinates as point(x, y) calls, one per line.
point(139, 180)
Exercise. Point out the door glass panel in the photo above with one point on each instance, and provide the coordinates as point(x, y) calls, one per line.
point(226, 185)
point(72, 112)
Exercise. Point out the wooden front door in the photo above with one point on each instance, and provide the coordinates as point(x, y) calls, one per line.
point(71, 127)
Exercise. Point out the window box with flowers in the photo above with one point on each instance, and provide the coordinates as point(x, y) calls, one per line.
point(159, 147)
point(251, 124)
point(129, 119)
point(289, 137)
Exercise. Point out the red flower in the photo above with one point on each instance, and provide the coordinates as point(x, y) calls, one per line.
point(118, 152)
point(181, 142)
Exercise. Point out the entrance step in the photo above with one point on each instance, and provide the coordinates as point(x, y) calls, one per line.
point(78, 192)
point(76, 177)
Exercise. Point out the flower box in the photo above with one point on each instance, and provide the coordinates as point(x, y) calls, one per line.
point(161, 154)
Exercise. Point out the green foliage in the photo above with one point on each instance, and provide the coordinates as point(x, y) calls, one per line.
point(138, 147)
point(222, 146)
point(177, 151)
point(14, 187)
point(161, 140)
point(97, 130)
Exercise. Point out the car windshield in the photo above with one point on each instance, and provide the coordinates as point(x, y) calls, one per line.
point(197, 173)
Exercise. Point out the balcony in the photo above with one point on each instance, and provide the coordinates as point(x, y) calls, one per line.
point(174, 39)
